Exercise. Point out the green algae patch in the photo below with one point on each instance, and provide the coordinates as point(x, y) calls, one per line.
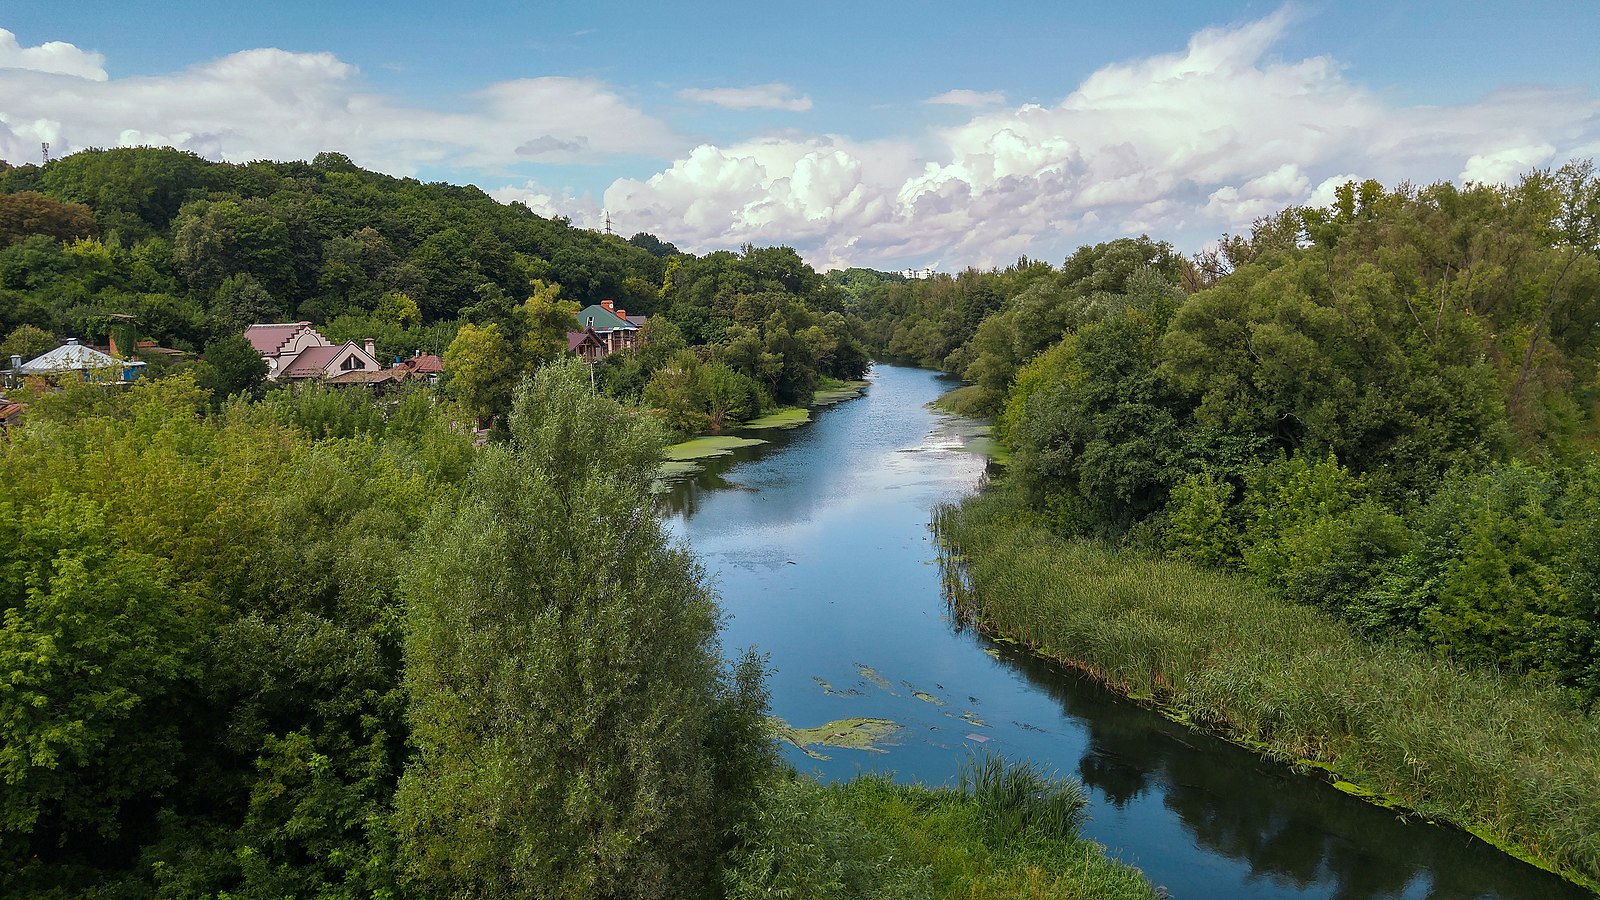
point(787, 417)
point(708, 447)
point(837, 394)
point(867, 734)
point(871, 674)
point(926, 697)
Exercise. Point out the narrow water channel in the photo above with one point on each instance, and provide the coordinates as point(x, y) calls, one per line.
point(819, 545)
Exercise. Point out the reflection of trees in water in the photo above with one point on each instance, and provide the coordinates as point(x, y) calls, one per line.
point(1290, 830)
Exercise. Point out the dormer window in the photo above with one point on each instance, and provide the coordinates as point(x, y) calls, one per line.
point(351, 363)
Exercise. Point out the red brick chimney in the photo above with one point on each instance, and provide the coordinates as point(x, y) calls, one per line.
point(607, 306)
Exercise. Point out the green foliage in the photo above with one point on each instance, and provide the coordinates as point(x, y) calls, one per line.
point(480, 369)
point(1016, 797)
point(27, 342)
point(562, 667)
point(233, 366)
point(95, 644)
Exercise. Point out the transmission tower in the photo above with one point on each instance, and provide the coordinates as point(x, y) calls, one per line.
point(44, 148)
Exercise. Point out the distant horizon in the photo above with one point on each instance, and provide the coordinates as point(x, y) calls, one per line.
point(889, 138)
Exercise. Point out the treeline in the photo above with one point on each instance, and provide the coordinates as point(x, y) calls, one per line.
point(1385, 408)
point(196, 250)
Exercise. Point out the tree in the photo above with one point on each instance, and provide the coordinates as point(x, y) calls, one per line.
point(241, 301)
point(575, 736)
point(480, 368)
point(94, 646)
point(27, 342)
point(27, 212)
point(233, 366)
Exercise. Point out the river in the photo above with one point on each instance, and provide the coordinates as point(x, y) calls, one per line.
point(819, 545)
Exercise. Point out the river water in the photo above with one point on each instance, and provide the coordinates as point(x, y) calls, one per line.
point(819, 545)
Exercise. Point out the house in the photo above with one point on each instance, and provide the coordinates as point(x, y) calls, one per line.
point(613, 328)
point(295, 351)
point(87, 362)
point(426, 366)
point(587, 344)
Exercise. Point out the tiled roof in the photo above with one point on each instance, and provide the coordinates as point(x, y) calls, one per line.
point(269, 339)
point(368, 376)
point(311, 361)
point(638, 320)
point(426, 364)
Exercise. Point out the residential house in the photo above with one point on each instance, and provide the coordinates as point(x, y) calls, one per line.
point(613, 330)
point(295, 351)
point(426, 366)
point(81, 360)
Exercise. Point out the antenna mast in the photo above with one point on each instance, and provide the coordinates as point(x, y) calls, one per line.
point(608, 221)
point(44, 148)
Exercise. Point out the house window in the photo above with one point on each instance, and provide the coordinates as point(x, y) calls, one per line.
point(352, 363)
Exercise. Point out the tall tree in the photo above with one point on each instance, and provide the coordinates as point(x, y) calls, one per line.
point(562, 663)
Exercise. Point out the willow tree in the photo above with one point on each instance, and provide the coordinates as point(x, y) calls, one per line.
point(576, 734)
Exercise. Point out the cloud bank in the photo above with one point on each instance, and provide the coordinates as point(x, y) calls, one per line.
point(1182, 145)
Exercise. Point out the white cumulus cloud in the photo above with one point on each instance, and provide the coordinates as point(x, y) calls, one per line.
point(1184, 145)
point(274, 104)
point(54, 57)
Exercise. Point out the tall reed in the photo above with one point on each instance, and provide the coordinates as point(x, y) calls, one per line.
point(1500, 756)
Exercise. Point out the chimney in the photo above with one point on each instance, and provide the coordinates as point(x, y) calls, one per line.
point(622, 314)
point(591, 318)
point(16, 364)
point(607, 306)
point(372, 350)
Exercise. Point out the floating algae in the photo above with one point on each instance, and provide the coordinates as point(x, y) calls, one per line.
point(846, 734)
point(708, 446)
point(826, 687)
point(871, 674)
point(972, 718)
point(834, 395)
point(787, 417)
point(685, 459)
point(924, 696)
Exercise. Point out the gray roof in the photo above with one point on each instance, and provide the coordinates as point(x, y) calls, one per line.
point(73, 356)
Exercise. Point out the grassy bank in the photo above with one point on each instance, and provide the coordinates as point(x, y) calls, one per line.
point(1501, 757)
point(1005, 834)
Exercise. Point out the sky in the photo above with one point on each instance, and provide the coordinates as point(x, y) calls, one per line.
point(892, 135)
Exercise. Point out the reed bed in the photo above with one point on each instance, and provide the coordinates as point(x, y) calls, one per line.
point(1500, 756)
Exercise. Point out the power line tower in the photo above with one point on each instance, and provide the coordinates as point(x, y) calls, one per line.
point(608, 221)
point(44, 149)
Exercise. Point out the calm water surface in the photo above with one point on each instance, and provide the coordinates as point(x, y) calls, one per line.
point(820, 548)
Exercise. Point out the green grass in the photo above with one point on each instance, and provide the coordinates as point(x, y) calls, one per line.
point(1010, 832)
point(1502, 757)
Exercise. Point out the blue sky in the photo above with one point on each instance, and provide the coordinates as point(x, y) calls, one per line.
point(943, 134)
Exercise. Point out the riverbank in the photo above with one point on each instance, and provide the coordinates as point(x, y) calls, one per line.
point(870, 837)
point(687, 456)
point(1499, 757)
